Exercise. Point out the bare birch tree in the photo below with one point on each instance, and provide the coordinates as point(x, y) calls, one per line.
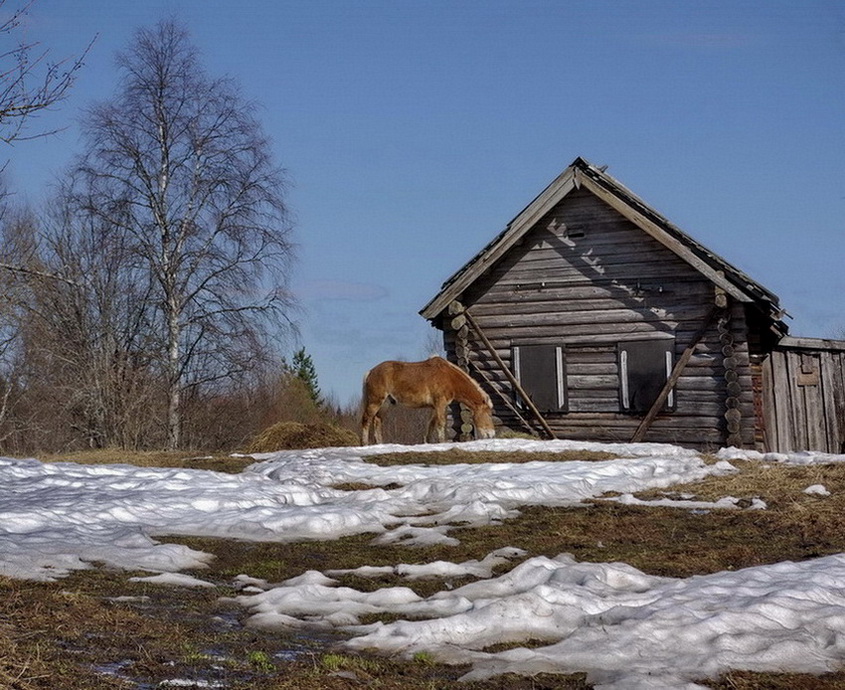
point(177, 162)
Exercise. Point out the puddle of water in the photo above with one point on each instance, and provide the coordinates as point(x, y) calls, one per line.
point(115, 668)
point(225, 661)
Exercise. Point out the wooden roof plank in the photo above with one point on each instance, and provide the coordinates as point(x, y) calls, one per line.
point(671, 243)
point(581, 173)
point(793, 343)
point(514, 231)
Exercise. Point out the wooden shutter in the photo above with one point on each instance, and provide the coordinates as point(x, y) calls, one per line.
point(541, 371)
point(644, 366)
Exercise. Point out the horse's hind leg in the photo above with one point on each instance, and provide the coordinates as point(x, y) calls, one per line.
point(368, 419)
point(371, 419)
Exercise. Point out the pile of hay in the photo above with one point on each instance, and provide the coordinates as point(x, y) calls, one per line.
point(295, 435)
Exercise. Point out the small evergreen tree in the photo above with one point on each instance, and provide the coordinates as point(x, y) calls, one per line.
point(302, 367)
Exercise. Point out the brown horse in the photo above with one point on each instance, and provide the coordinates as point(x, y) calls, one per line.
point(432, 383)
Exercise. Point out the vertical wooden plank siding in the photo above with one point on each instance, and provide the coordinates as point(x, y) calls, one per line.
point(810, 385)
point(838, 365)
point(771, 437)
point(799, 407)
point(829, 365)
point(839, 398)
point(804, 400)
point(783, 402)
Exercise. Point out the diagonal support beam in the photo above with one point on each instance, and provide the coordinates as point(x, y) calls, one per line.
point(677, 370)
point(509, 375)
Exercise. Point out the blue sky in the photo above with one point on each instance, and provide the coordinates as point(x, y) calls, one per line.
point(414, 130)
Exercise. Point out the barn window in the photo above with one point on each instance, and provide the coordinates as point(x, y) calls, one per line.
point(541, 371)
point(644, 368)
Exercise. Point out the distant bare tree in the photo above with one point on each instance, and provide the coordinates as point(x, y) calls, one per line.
point(29, 83)
point(16, 233)
point(91, 329)
point(178, 165)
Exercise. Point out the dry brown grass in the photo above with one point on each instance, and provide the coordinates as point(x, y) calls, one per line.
point(53, 634)
point(295, 435)
point(780, 485)
point(455, 456)
point(63, 636)
point(218, 462)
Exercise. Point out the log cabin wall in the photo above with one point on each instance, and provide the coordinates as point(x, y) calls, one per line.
point(585, 279)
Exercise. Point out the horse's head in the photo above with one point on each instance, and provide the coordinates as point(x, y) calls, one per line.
point(483, 417)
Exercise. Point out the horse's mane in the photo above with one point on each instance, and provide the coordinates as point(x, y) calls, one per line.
point(481, 391)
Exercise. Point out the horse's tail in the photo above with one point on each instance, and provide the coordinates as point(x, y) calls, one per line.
point(364, 389)
point(365, 386)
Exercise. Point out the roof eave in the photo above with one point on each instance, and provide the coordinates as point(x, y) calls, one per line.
point(496, 248)
point(581, 173)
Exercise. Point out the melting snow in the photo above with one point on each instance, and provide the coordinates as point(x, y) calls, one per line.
point(625, 628)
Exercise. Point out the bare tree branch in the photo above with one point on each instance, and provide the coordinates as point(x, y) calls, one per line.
point(29, 83)
point(36, 273)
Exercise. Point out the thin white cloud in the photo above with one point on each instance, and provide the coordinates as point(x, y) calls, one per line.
point(700, 40)
point(342, 290)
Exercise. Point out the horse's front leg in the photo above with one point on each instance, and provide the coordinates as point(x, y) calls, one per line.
point(437, 425)
point(377, 428)
point(365, 432)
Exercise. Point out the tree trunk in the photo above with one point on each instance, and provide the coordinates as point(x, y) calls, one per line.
point(174, 383)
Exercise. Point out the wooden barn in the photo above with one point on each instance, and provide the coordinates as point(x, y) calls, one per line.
point(592, 317)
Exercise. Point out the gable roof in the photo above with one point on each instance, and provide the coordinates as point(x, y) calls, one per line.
point(581, 174)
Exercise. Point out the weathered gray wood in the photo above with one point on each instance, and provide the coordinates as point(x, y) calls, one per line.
point(537, 320)
point(458, 321)
point(552, 290)
point(670, 242)
point(610, 252)
point(770, 425)
point(577, 333)
point(833, 431)
point(614, 283)
point(838, 366)
point(520, 314)
point(789, 342)
point(504, 397)
point(783, 403)
point(677, 370)
point(645, 269)
point(799, 408)
point(805, 398)
point(809, 379)
point(592, 381)
point(504, 368)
